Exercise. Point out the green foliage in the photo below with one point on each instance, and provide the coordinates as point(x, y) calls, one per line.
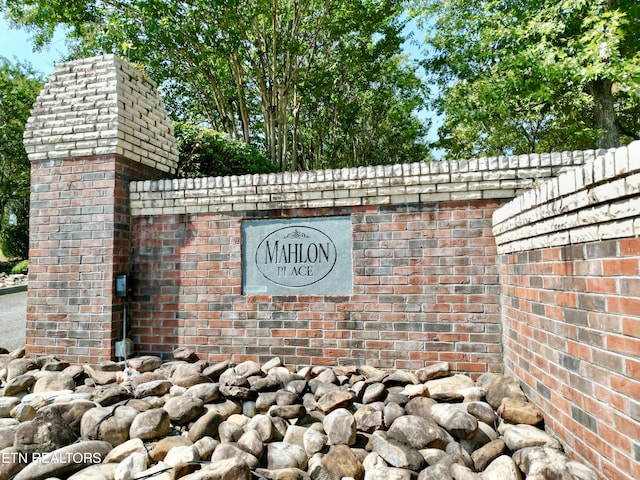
point(20, 267)
point(315, 82)
point(535, 75)
point(19, 87)
point(207, 153)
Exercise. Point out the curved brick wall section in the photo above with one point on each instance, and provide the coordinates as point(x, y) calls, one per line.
point(101, 106)
point(569, 268)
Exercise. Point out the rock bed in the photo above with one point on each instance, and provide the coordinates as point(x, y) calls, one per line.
point(197, 421)
point(7, 280)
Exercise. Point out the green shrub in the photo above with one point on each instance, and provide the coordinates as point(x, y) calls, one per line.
point(207, 153)
point(20, 267)
point(14, 240)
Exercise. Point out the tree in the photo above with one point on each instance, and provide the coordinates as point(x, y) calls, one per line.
point(520, 76)
point(19, 86)
point(259, 70)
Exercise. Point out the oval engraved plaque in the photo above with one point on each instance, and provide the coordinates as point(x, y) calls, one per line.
point(296, 256)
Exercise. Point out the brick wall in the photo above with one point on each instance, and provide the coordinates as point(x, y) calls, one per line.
point(425, 276)
point(569, 269)
point(425, 290)
point(95, 126)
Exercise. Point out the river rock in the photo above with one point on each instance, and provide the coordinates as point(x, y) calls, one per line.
point(487, 453)
point(544, 463)
point(145, 363)
point(521, 436)
point(340, 462)
point(502, 468)
point(432, 372)
point(455, 420)
point(152, 424)
point(6, 405)
point(18, 384)
point(152, 388)
point(421, 432)
point(340, 427)
point(516, 410)
point(184, 408)
point(185, 354)
point(162, 447)
point(503, 387)
point(65, 460)
point(125, 449)
point(109, 424)
point(285, 455)
point(53, 381)
point(131, 467)
point(101, 471)
point(396, 450)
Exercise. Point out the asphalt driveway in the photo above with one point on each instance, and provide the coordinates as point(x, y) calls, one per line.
point(13, 315)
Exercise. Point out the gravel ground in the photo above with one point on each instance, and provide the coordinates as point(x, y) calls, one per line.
point(13, 314)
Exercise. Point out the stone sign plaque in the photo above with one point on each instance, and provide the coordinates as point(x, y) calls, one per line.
point(310, 256)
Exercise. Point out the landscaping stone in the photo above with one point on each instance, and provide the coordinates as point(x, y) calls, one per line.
point(191, 420)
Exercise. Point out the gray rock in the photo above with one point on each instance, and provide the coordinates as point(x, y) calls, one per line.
point(108, 424)
point(516, 410)
point(23, 412)
point(149, 425)
point(183, 409)
point(47, 432)
point(53, 381)
point(421, 432)
point(145, 363)
point(229, 432)
point(368, 419)
point(501, 387)
point(181, 454)
point(227, 451)
point(544, 463)
point(226, 469)
point(521, 436)
point(340, 427)
point(207, 392)
point(449, 384)
point(459, 472)
point(252, 443)
point(454, 420)
point(374, 393)
point(6, 405)
point(314, 441)
point(334, 399)
point(19, 366)
point(185, 354)
point(502, 468)
point(131, 467)
point(206, 425)
point(432, 372)
point(18, 384)
point(152, 388)
point(435, 472)
point(263, 425)
point(285, 455)
point(487, 453)
point(341, 462)
point(101, 471)
point(125, 449)
point(396, 450)
point(483, 412)
point(65, 460)
point(13, 460)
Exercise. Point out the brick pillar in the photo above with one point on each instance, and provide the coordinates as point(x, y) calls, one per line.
point(97, 124)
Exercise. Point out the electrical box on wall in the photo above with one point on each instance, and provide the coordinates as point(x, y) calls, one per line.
point(122, 285)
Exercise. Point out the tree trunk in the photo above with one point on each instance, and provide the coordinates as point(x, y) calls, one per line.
point(604, 115)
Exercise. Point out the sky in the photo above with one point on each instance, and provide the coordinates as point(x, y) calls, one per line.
point(18, 45)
